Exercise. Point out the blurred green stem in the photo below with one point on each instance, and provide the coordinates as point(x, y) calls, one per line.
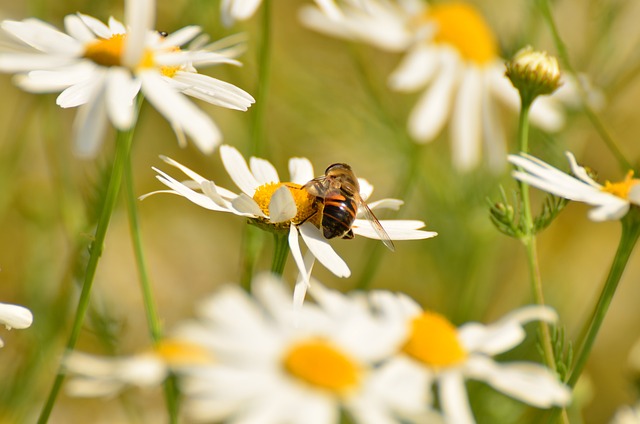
point(529, 237)
point(628, 240)
point(264, 70)
point(123, 146)
point(280, 252)
point(155, 329)
point(597, 123)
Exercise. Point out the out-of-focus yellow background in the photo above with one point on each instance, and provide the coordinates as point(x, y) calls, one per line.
point(318, 106)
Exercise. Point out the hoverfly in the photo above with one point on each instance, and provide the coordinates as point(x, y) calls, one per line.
point(338, 191)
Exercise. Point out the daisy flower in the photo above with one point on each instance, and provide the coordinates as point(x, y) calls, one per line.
point(101, 69)
point(611, 200)
point(447, 356)
point(241, 10)
point(14, 316)
point(284, 206)
point(627, 415)
point(270, 370)
point(98, 376)
point(451, 54)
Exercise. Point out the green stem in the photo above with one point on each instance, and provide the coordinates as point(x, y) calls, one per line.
point(611, 144)
point(123, 146)
point(153, 321)
point(628, 240)
point(264, 69)
point(280, 252)
point(529, 237)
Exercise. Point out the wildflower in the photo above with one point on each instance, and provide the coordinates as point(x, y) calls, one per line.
point(533, 73)
point(447, 356)
point(14, 316)
point(627, 415)
point(241, 10)
point(284, 206)
point(611, 200)
point(96, 376)
point(270, 368)
point(453, 55)
point(102, 68)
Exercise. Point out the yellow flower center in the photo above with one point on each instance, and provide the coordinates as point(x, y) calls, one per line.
point(320, 364)
point(622, 188)
point(108, 52)
point(305, 203)
point(461, 26)
point(177, 352)
point(433, 340)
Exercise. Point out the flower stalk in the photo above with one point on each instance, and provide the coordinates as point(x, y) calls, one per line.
point(280, 252)
point(123, 147)
point(628, 239)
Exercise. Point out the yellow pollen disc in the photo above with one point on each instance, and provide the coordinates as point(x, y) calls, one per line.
point(320, 364)
point(622, 188)
point(175, 352)
point(305, 202)
point(433, 340)
point(106, 51)
point(461, 26)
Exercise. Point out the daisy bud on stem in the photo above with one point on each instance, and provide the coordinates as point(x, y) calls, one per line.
point(533, 73)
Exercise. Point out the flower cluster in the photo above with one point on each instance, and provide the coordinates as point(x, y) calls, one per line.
point(377, 355)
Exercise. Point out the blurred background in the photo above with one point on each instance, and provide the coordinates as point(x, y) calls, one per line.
point(328, 101)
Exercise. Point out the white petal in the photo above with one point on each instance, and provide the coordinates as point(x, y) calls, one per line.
point(81, 92)
point(238, 170)
point(15, 316)
point(454, 399)
point(492, 131)
point(96, 26)
point(245, 205)
point(282, 206)
point(120, 94)
point(300, 170)
point(580, 172)
point(76, 28)
point(243, 9)
point(366, 189)
point(180, 112)
point(430, 114)
point(91, 121)
point(139, 16)
point(393, 204)
point(44, 37)
point(528, 382)
point(56, 80)
point(181, 36)
point(396, 229)
point(466, 120)
point(416, 69)
point(21, 62)
point(304, 269)
point(214, 91)
point(547, 113)
point(263, 171)
point(323, 251)
point(188, 172)
point(116, 27)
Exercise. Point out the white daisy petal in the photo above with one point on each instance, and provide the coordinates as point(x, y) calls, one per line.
point(120, 94)
point(393, 204)
point(238, 170)
point(15, 316)
point(116, 27)
point(547, 114)
point(181, 36)
point(396, 229)
point(97, 27)
point(42, 36)
point(454, 400)
point(300, 170)
point(282, 206)
point(366, 189)
point(245, 205)
point(263, 171)
point(305, 266)
point(90, 123)
point(527, 382)
point(416, 70)
point(323, 251)
point(140, 16)
point(213, 91)
point(429, 115)
point(22, 62)
point(57, 80)
point(81, 92)
point(466, 121)
point(180, 112)
point(76, 28)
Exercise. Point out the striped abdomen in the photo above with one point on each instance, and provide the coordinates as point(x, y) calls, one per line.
point(338, 215)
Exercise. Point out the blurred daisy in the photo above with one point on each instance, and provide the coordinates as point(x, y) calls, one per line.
point(99, 376)
point(611, 200)
point(276, 205)
point(102, 68)
point(453, 55)
point(14, 316)
point(269, 370)
point(241, 10)
point(627, 415)
point(447, 356)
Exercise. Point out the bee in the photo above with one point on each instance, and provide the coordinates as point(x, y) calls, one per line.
point(338, 193)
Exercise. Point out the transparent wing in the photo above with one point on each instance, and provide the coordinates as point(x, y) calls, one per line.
point(380, 231)
point(317, 187)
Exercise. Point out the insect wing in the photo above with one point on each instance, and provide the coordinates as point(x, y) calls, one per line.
point(317, 187)
point(380, 231)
